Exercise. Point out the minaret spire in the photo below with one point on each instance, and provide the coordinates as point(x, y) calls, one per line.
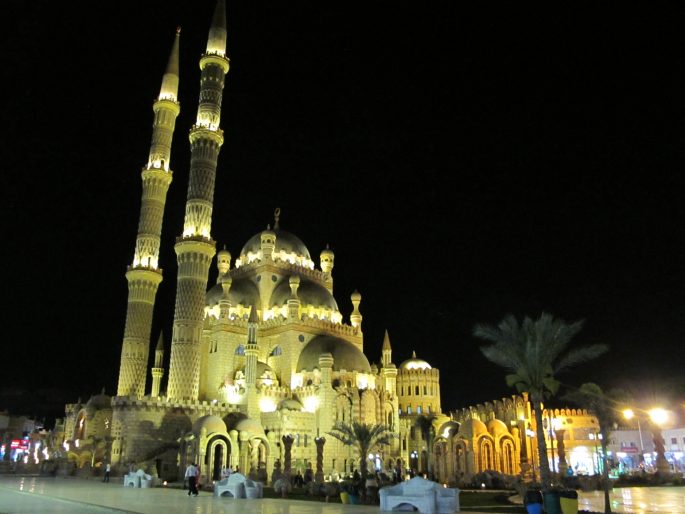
point(386, 352)
point(158, 369)
point(195, 248)
point(144, 274)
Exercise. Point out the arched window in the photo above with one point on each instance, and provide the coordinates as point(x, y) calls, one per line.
point(425, 390)
point(408, 410)
point(417, 390)
point(418, 409)
point(276, 352)
point(240, 350)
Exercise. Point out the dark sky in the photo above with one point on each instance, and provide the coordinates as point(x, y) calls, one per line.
point(464, 160)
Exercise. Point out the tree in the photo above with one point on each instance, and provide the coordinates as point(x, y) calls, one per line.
point(424, 423)
point(604, 406)
point(363, 437)
point(535, 351)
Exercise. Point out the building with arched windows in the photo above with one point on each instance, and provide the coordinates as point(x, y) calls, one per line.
point(262, 360)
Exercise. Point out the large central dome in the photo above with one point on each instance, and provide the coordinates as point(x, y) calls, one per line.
point(346, 356)
point(285, 242)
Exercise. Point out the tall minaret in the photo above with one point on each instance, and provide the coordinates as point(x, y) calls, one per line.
point(158, 368)
point(251, 353)
point(195, 248)
point(144, 275)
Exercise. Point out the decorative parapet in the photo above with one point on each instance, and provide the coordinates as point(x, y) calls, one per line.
point(283, 266)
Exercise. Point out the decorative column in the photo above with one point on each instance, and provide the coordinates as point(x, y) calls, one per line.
point(320, 442)
point(561, 452)
point(662, 465)
point(287, 454)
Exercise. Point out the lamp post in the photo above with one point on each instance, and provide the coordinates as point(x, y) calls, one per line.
point(629, 414)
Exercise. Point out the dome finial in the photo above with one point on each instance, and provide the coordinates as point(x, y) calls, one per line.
point(277, 218)
point(413, 354)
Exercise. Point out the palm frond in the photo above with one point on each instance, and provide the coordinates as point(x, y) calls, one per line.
point(579, 355)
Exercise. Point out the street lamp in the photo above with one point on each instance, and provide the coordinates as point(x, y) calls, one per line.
point(629, 414)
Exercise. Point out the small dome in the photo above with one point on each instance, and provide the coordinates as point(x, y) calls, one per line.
point(415, 363)
point(472, 427)
point(213, 424)
point(99, 402)
point(448, 429)
point(290, 404)
point(250, 426)
point(497, 427)
point(242, 292)
point(285, 241)
point(346, 356)
point(309, 293)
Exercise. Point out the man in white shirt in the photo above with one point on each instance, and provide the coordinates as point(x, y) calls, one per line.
point(191, 474)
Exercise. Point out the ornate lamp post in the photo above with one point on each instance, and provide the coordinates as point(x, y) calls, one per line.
point(287, 454)
point(659, 417)
point(320, 441)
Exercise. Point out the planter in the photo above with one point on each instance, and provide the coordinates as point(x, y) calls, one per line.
point(534, 508)
point(532, 499)
point(532, 496)
point(569, 501)
point(552, 502)
point(354, 499)
point(345, 498)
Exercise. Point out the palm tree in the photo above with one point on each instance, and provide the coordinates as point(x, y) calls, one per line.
point(425, 424)
point(363, 437)
point(535, 351)
point(605, 408)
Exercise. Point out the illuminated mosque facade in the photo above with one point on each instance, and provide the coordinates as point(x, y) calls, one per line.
point(262, 354)
point(262, 362)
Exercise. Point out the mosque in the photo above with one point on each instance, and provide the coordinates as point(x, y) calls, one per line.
point(261, 360)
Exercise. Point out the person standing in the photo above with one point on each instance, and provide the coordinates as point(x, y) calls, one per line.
point(108, 468)
point(191, 474)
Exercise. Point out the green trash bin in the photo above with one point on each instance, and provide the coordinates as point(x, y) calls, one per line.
point(568, 500)
point(552, 502)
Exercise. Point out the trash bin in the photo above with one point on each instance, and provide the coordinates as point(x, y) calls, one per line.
point(551, 500)
point(533, 501)
point(568, 500)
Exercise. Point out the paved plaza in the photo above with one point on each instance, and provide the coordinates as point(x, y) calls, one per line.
point(24, 495)
point(72, 495)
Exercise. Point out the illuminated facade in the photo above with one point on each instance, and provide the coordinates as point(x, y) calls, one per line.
point(263, 353)
point(500, 436)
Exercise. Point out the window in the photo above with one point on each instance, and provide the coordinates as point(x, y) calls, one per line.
point(674, 440)
point(425, 391)
point(417, 390)
point(408, 410)
point(400, 409)
point(428, 409)
point(418, 409)
point(240, 350)
point(276, 351)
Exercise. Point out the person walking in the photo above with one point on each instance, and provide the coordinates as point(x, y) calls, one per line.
point(191, 474)
point(108, 468)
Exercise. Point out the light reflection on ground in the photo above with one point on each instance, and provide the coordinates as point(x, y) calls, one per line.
point(637, 500)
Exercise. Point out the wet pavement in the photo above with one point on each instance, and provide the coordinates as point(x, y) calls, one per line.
point(637, 500)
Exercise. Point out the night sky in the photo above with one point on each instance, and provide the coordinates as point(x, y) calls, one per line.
point(464, 160)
